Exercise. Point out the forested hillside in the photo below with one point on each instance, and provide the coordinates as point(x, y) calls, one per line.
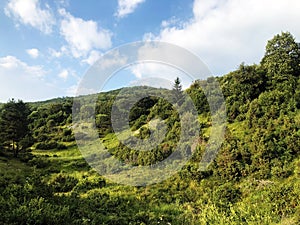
point(253, 180)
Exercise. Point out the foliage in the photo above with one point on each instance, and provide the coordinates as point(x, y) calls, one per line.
point(14, 125)
point(282, 56)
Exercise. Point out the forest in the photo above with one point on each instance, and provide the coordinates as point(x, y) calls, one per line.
point(254, 179)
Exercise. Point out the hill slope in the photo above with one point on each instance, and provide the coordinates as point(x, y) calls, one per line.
point(253, 180)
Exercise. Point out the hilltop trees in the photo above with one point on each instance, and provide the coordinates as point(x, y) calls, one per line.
point(282, 61)
point(282, 55)
point(14, 125)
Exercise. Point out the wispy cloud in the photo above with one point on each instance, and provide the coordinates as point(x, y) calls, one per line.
point(20, 78)
point(11, 63)
point(126, 7)
point(29, 12)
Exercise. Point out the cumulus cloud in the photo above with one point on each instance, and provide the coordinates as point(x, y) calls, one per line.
point(83, 36)
point(126, 7)
point(23, 81)
point(226, 33)
point(33, 52)
point(30, 13)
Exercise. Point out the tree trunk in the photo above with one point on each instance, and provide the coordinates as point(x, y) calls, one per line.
point(15, 150)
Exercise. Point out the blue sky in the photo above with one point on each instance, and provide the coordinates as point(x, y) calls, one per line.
point(47, 46)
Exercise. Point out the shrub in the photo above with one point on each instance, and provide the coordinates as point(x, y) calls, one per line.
point(46, 145)
point(26, 157)
point(87, 184)
point(61, 146)
point(50, 145)
point(69, 138)
point(64, 183)
point(67, 132)
point(39, 162)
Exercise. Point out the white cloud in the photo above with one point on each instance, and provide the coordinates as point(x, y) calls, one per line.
point(33, 52)
point(64, 74)
point(170, 22)
point(225, 33)
point(126, 7)
point(92, 58)
point(83, 36)
point(21, 81)
point(11, 63)
point(29, 12)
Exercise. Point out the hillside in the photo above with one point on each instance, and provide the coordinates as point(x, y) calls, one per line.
point(253, 180)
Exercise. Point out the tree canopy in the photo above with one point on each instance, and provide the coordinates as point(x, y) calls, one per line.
point(282, 57)
point(14, 124)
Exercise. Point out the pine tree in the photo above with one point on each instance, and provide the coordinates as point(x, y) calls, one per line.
point(177, 91)
point(14, 123)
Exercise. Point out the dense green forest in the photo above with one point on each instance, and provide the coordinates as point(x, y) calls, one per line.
point(253, 180)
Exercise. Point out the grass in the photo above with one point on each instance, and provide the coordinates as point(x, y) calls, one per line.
point(65, 154)
point(14, 166)
point(72, 163)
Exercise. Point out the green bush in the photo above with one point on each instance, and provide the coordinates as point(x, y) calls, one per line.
point(64, 183)
point(46, 145)
point(26, 157)
point(69, 138)
point(39, 162)
point(67, 132)
point(50, 145)
point(89, 184)
point(61, 146)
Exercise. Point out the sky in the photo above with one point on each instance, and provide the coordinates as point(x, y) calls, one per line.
point(46, 47)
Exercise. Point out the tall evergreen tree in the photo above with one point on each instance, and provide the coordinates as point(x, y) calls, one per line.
point(177, 91)
point(14, 123)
